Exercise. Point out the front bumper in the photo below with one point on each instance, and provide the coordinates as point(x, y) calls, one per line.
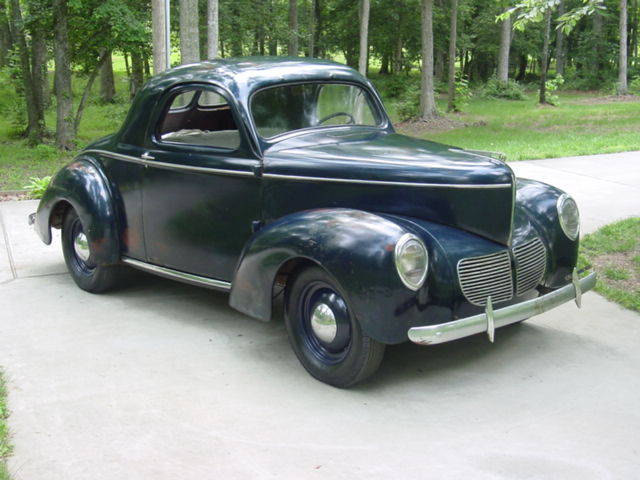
point(492, 319)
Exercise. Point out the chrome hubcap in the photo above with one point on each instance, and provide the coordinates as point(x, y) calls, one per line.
point(81, 246)
point(323, 323)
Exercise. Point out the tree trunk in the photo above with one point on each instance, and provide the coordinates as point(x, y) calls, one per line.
point(544, 58)
point(5, 34)
point(189, 36)
point(39, 70)
point(312, 28)
point(87, 89)
point(522, 68)
point(35, 121)
point(560, 48)
point(64, 99)
point(365, 6)
point(212, 29)
point(107, 83)
point(159, 39)
point(622, 62)
point(396, 65)
point(438, 66)
point(503, 53)
point(236, 39)
point(598, 22)
point(318, 26)
point(137, 72)
point(293, 28)
point(384, 65)
point(452, 56)
point(427, 98)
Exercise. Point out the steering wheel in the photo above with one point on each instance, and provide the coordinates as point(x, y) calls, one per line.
point(351, 121)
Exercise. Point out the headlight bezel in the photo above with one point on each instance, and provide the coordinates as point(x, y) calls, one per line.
point(561, 210)
point(401, 244)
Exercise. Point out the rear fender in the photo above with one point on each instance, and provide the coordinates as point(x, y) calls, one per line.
point(82, 186)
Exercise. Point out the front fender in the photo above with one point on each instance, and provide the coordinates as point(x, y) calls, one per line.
point(536, 203)
point(354, 247)
point(82, 185)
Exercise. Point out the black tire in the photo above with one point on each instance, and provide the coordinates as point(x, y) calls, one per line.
point(350, 356)
point(87, 274)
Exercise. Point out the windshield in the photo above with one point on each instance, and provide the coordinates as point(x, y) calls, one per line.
point(285, 108)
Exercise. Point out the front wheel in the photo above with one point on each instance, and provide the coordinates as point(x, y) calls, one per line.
point(88, 274)
point(324, 333)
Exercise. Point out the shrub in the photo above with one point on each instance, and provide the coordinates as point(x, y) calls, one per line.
point(37, 186)
point(511, 90)
point(552, 86)
point(634, 86)
point(463, 93)
point(409, 105)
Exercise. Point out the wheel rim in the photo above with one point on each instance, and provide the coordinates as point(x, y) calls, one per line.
point(325, 323)
point(81, 248)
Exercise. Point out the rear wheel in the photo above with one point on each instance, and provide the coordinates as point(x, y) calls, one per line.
point(324, 333)
point(88, 274)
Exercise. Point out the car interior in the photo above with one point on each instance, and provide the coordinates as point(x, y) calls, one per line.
point(200, 117)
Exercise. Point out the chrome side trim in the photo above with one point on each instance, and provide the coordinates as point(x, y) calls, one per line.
point(169, 166)
point(486, 322)
point(299, 178)
point(178, 275)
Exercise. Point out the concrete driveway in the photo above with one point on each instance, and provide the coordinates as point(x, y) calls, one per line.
point(160, 380)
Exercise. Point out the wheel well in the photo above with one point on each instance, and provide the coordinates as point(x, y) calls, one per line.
point(287, 271)
point(58, 212)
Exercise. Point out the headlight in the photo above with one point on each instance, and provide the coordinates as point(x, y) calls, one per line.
point(569, 216)
point(412, 261)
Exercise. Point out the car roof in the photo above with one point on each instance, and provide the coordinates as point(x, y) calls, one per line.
point(242, 75)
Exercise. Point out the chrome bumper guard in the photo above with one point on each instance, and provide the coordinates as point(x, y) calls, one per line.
point(492, 319)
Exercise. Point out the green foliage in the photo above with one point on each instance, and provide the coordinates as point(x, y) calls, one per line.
point(511, 90)
point(552, 86)
point(634, 86)
point(409, 105)
point(463, 93)
point(37, 186)
point(613, 273)
point(5, 445)
point(619, 242)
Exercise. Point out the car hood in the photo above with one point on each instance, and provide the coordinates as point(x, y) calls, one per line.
point(393, 173)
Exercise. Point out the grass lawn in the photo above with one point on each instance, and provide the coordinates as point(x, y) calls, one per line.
point(614, 251)
point(582, 124)
point(5, 446)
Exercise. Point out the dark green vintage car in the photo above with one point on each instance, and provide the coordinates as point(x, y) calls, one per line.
point(266, 175)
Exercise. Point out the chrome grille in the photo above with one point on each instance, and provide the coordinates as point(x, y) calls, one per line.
point(531, 262)
point(488, 275)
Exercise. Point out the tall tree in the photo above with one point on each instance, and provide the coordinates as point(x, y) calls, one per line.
point(212, 29)
point(560, 40)
point(5, 34)
point(64, 99)
point(544, 57)
point(365, 6)
point(293, 28)
point(622, 61)
point(189, 35)
point(428, 108)
point(107, 81)
point(159, 39)
point(453, 35)
point(503, 51)
point(35, 117)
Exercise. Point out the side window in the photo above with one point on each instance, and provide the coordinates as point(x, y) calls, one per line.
point(200, 117)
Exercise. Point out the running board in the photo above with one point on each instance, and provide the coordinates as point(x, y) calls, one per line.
point(178, 275)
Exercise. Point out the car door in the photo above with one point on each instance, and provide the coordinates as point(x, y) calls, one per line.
point(201, 189)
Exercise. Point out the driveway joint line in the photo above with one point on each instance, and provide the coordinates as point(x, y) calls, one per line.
point(7, 244)
point(584, 175)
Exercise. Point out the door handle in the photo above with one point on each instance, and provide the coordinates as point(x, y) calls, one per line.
point(147, 156)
